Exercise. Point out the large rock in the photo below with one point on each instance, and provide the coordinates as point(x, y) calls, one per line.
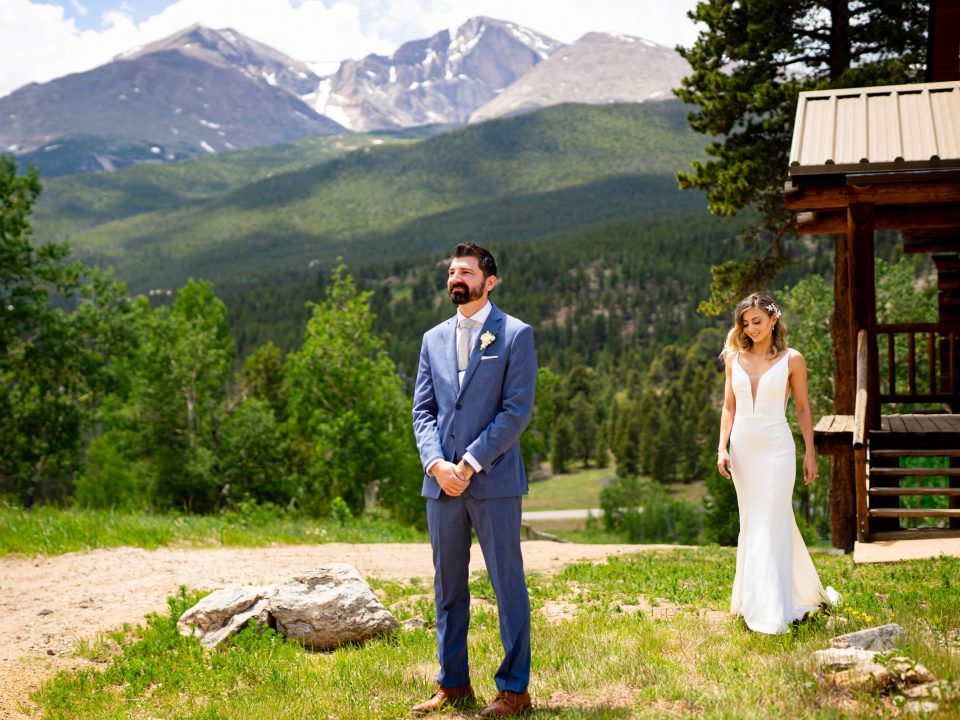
point(329, 606)
point(883, 637)
point(852, 669)
point(320, 609)
point(859, 670)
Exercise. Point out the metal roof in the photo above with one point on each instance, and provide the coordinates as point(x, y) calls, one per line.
point(896, 127)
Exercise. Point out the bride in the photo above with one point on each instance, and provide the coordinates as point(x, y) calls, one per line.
point(776, 582)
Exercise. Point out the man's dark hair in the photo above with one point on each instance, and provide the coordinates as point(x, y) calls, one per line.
point(488, 266)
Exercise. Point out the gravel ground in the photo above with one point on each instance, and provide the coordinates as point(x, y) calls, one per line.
point(48, 603)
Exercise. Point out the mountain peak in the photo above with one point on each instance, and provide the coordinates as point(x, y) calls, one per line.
point(435, 80)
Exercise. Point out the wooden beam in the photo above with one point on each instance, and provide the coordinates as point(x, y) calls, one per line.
point(917, 193)
point(897, 217)
point(931, 246)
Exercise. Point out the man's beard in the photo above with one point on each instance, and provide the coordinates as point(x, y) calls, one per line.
point(461, 293)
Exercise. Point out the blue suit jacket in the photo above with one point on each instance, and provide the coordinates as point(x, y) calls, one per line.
point(487, 414)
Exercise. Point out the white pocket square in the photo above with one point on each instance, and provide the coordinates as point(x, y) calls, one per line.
point(490, 357)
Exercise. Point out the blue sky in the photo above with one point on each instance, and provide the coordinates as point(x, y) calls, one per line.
point(44, 39)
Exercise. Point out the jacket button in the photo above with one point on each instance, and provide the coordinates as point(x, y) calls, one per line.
point(459, 406)
point(453, 435)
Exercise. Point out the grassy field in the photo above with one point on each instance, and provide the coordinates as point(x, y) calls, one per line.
point(49, 530)
point(598, 658)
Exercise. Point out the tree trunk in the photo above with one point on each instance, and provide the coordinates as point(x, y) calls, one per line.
point(843, 527)
point(839, 38)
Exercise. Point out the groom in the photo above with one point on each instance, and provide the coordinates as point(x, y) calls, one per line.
point(473, 399)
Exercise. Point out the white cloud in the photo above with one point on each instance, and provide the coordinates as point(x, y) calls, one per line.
point(39, 43)
point(78, 7)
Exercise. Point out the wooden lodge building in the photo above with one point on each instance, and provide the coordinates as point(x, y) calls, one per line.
point(866, 160)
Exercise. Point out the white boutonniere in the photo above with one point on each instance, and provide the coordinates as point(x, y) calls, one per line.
point(487, 338)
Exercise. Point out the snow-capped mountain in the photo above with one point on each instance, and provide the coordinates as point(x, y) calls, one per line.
point(441, 79)
point(597, 69)
point(200, 90)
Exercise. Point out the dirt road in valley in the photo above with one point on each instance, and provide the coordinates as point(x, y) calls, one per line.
point(48, 603)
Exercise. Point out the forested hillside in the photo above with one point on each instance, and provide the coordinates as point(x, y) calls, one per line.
point(521, 178)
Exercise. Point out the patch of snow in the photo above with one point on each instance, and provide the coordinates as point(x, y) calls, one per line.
point(178, 111)
point(48, 148)
point(155, 150)
point(170, 156)
point(187, 45)
point(648, 43)
point(323, 68)
point(622, 38)
point(199, 88)
point(656, 94)
point(430, 56)
point(371, 73)
point(426, 83)
point(339, 115)
point(565, 58)
point(321, 97)
point(413, 86)
point(461, 46)
point(136, 90)
point(378, 141)
point(174, 131)
point(300, 114)
point(221, 133)
point(270, 77)
point(206, 146)
point(461, 76)
point(208, 124)
point(301, 75)
point(229, 145)
point(121, 97)
point(393, 73)
point(531, 39)
point(448, 74)
point(131, 51)
point(13, 148)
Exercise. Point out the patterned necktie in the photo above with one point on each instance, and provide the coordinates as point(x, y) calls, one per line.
point(463, 343)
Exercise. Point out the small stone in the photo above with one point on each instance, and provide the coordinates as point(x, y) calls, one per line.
point(907, 672)
point(415, 624)
point(882, 637)
point(921, 707)
point(50, 652)
point(45, 611)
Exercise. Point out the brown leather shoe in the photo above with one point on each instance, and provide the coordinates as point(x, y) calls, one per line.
point(444, 696)
point(508, 704)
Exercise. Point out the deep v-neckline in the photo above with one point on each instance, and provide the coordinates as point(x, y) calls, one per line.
point(754, 391)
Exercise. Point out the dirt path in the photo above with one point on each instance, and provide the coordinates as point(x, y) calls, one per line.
point(47, 604)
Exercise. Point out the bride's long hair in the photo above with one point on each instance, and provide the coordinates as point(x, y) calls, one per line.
point(738, 340)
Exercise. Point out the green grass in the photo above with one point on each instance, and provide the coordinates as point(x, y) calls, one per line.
point(571, 491)
point(49, 530)
point(601, 662)
point(581, 489)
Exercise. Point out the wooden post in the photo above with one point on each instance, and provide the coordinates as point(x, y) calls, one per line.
point(863, 316)
point(863, 298)
point(843, 529)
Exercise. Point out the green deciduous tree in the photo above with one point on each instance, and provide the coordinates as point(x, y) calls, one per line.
point(348, 408)
point(62, 325)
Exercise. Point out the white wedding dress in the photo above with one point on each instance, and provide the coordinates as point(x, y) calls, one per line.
point(775, 582)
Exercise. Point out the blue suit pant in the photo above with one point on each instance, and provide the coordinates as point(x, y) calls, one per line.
point(497, 524)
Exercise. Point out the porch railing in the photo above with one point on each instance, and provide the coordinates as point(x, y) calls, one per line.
point(919, 362)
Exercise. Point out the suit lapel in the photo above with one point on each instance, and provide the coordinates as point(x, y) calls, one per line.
point(493, 324)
